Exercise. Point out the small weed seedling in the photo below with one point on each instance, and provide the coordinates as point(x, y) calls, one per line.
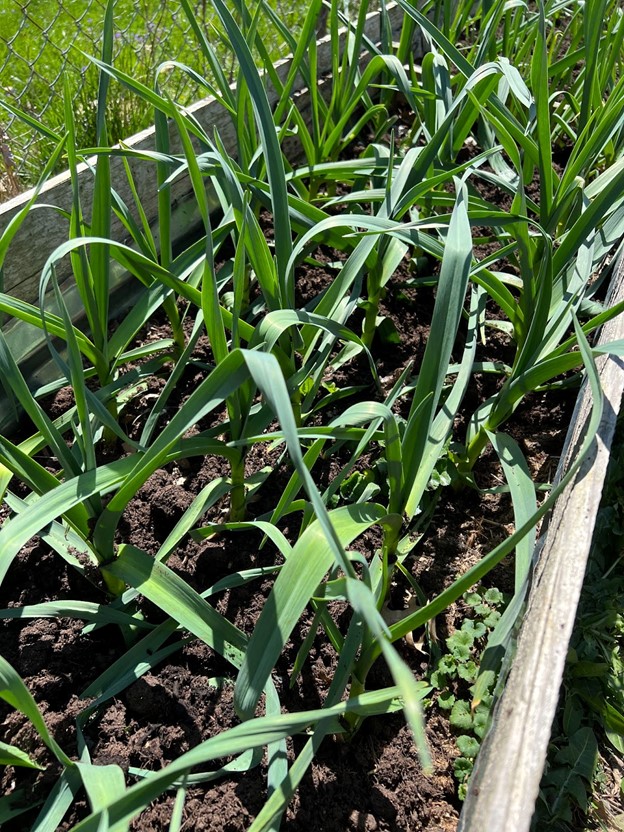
point(456, 672)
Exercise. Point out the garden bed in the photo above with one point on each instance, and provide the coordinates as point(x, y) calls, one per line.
point(179, 703)
point(327, 430)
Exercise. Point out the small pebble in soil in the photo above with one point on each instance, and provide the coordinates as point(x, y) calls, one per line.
point(362, 821)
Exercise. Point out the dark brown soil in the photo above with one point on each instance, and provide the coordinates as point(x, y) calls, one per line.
point(374, 782)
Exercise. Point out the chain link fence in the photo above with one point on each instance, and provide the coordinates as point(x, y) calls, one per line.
point(41, 41)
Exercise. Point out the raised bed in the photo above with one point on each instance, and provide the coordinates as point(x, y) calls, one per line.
point(498, 797)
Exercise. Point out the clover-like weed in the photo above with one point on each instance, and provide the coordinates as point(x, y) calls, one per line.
point(455, 673)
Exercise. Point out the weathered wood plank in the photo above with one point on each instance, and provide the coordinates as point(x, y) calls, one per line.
point(505, 782)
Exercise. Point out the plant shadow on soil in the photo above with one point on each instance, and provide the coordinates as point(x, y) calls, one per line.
point(373, 782)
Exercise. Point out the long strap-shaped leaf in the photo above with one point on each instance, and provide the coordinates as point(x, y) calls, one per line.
point(11, 755)
point(251, 734)
point(452, 285)
point(14, 691)
point(31, 314)
point(101, 207)
point(39, 479)
point(523, 498)
point(60, 500)
point(86, 610)
point(524, 502)
point(102, 783)
point(173, 595)
point(269, 331)
point(59, 800)
point(16, 221)
point(305, 568)
point(272, 151)
point(416, 480)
